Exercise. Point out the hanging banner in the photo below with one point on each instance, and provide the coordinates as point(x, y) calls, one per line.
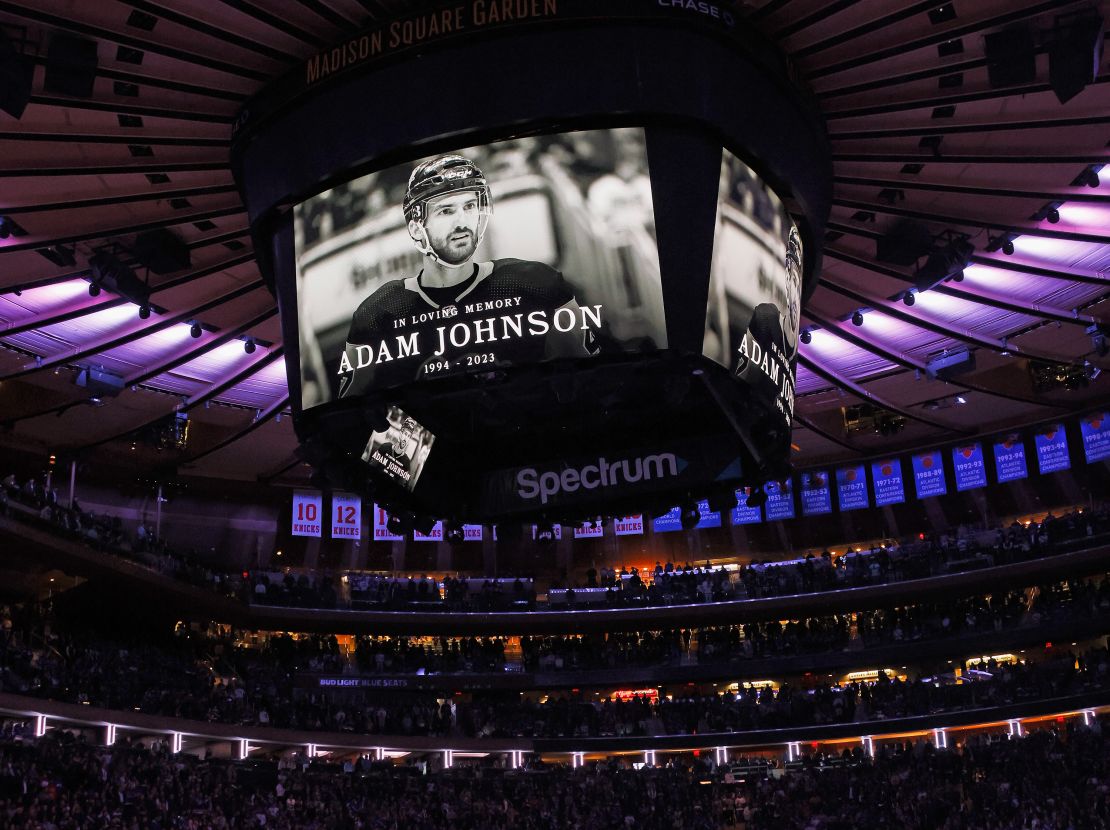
point(816, 495)
point(928, 474)
point(474, 533)
point(742, 514)
point(556, 530)
point(1095, 430)
point(382, 532)
point(672, 519)
point(851, 488)
point(346, 516)
point(629, 526)
point(1009, 458)
point(1052, 449)
point(589, 530)
point(970, 469)
point(887, 476)
point(780, 500)
point(308, 510)
point(436, 534)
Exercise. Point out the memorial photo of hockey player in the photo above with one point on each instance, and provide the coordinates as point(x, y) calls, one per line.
point(755, 287)
point(489, 257)
point(401, 449)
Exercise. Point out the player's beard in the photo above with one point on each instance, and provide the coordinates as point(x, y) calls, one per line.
point(452, 254)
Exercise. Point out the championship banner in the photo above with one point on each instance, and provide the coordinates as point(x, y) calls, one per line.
point(346, 516)
point(1095, 430)
point(629, 526)
point(436, 534)
point(672, 519)
point(971, 472)
point(887, 476)
point(709, 518)
point(381, 527)
point(816, 496)
point(928, 474)
point(851, 488)
point(780, 500)
point(1009, 458)
point(1052, 449)
point(308, 509)
point(742, 514)
point(589, 530)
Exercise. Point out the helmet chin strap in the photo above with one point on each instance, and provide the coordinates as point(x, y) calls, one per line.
point(425, 246)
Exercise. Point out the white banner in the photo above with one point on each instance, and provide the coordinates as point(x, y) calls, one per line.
point(473, 533)
point(346, 516)
point(308, 511)
point(381, 528)
point(589, 530)
point(435, 536)
point(557, 528)
point(629, 526)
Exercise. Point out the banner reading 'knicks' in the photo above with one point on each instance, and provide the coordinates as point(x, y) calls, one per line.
point(490, 257)
point(755, 287)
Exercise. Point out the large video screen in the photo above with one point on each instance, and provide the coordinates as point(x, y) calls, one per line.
point(755, 287)
point(477, 260)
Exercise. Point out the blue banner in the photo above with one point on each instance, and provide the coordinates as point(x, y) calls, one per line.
point(971, 470)
point(1052, 449)
point(1095, 430)
point(709, 518)
point(928, 474)
point(672, 519)
point(851, 488)
point(887, 476)
point(1009, 458)
point(780, 500)
point(742, 514)
point(816, 495)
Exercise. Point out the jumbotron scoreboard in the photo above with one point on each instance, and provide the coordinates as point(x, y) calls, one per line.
point(506, 297)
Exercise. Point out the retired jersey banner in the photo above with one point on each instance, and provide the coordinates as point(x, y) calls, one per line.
point(346, 516)
point(742, 514)
point(308, 514)
point(1009, 458)
point(1095, 430)
point(816, 495)
point(589, 530)
point(928, 474)
point(851, 488)
point(887, 477)
point(1052, 449)
point(382, 533)
point(780, 500)
point(435, 535)
point(629, 526)
point(970, 469)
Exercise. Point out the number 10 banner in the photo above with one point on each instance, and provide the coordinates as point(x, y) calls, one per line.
point(346, 516)
point(307, 510)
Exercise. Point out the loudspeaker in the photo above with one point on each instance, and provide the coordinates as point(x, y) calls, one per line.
point(16, 73)
point(70, 66)
point(162, 252)
point(1075, 55)
point(1011, 57)
point(904, 244)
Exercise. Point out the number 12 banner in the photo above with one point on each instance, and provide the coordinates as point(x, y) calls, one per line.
point(346, 516)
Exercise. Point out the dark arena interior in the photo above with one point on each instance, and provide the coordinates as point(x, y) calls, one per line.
point(603, 414)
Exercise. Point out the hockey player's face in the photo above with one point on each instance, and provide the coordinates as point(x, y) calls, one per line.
point(452, 226)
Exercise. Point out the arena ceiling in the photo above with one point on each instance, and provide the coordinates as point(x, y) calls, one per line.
point(918, 131)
